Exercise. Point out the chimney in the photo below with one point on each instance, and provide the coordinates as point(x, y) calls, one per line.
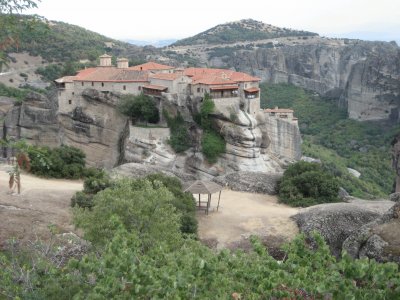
point(122, 63)
point(105, 60)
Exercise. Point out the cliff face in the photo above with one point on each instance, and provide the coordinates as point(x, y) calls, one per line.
point(96, 127)
point(35, 119)
point(256, 143)
point(365, 76)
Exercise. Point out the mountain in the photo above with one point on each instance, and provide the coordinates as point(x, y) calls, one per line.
point(363, 76)
point(243, 30)
point(62, 42)
point(154, 43)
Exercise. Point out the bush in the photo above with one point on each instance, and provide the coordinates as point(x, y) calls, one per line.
point(306, 184)
point(140, 107)
point(63, 162)
point(96, 181)
point(183, 202)
point(82, 200)
point(212, 145)
point(179, 140)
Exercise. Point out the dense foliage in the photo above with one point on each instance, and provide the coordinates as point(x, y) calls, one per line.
point(61, 162)
point(139, 108)
point(179, 139)
point(11, 25)
point(54, 71)
point(213, 144)
point(62, 42)
point(305, 184)
point(236, 32)
point(339, 142)
point(140, 253)
point(98, 180)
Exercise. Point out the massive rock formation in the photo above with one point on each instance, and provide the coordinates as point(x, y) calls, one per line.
point(364, 75)
point(35, 119)
point(378, 239)
point(97, 128)
point(338, 222)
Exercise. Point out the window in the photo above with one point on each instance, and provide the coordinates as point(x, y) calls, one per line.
point(124, 87)
point(102, 84)
point(73, 93)
point(92, 83)
point(83, 83)
point(198, 90)
point(139, 88)
point(69, 101)
point(245, 85)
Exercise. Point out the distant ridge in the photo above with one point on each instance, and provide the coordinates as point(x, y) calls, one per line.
point(243, 30)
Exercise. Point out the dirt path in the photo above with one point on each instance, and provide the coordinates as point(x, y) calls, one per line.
point(243, 214)
point(42, 202)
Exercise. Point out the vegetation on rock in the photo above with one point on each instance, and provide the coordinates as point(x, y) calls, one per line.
point(339, 142)
point(212, 143)
point(305, 184)
point(139, 108)
point(179, 140)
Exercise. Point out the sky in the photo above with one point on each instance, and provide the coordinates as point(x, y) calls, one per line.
point(165, 19)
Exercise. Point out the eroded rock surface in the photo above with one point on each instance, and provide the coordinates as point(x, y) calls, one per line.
point(338, 221)
point(379, 239)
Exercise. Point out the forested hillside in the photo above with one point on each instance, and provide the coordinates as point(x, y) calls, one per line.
point(58, 41)
point(339, 142)
point(243, 30)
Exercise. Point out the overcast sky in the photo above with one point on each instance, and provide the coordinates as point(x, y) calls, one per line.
point(163, 19)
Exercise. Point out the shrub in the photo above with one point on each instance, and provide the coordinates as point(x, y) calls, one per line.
point(140, 107)
point(62, 162)
point(306, 184)
point(82, 200)
point(213, 145)
point(179, 140)
point(96, 181)
point(183, 202)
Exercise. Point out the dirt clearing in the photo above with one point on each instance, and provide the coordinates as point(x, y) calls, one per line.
point(241, 215)
point(42, 202)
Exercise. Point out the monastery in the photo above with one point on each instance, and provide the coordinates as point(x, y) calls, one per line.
point(226, 87)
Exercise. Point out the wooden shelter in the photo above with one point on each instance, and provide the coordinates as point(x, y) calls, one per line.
point(203, 187)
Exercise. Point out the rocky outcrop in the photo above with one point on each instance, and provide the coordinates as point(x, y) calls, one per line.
point(34, 119)
point(252, 182)
point(139, 170)
point(338, 221)
point(97, 128)
point(378, 239)
point(364, 75)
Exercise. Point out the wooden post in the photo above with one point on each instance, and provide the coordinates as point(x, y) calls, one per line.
point(219, 198)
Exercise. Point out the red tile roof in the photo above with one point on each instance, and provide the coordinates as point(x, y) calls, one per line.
point(111, 74)
point(252, 90)
point(65, 79)
point(224, 87)
point(155, 87)
point(166, 76)
point(217, 76)
point(151, 66)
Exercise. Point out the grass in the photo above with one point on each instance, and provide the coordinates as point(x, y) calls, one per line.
point(339, 142)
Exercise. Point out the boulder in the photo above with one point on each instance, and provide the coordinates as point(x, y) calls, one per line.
point(137, 170)
point(378, 239)
point(252, 182)
point(337, 221)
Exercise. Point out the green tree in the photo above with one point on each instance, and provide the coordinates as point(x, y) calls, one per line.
point(305, 184)
point(140, 107)
point(11, 26)
point(143, 207)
